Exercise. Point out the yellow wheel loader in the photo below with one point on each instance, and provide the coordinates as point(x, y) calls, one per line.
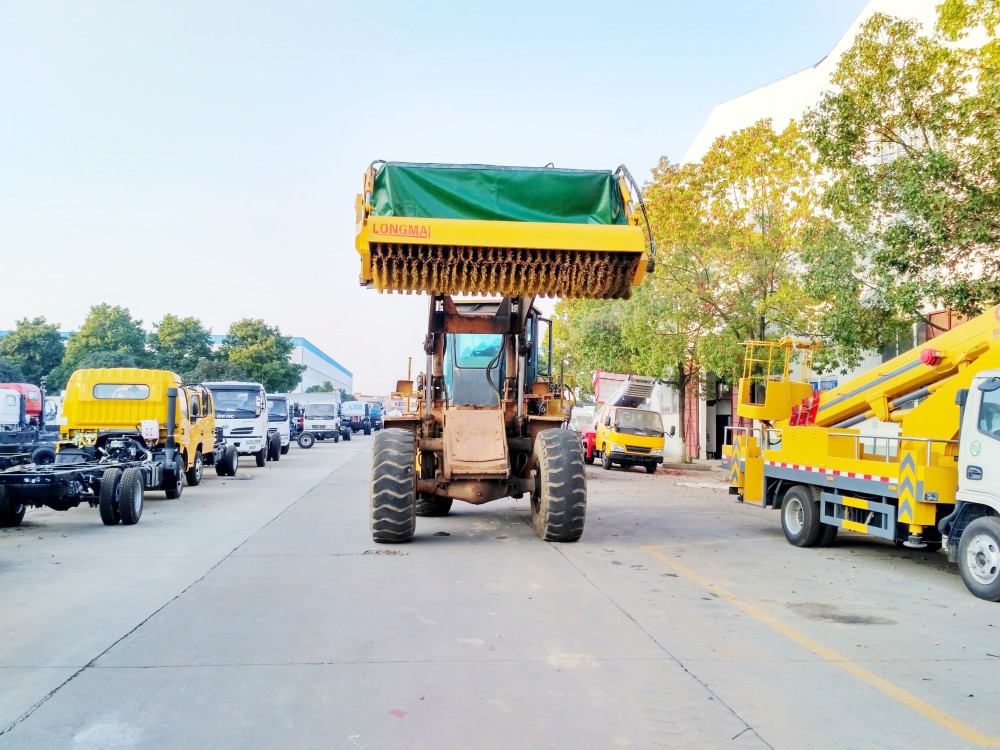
point(491, 413)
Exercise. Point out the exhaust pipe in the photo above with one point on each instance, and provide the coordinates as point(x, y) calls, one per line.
point(171, 444)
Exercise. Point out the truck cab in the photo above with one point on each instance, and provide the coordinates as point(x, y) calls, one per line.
point(241, 412)
point(375, 413)
point(278, 420)
point(357, 416)
point(629, 437)
point(321, 421)
point(33, 405)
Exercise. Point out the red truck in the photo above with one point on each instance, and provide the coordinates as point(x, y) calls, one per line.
point(33, 403)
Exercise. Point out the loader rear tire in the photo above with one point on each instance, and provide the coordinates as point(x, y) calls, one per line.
point(432, 506)
point(108, 502)
point(800, 517)
point(11, 512)
point(559, 500)
point(130, 496)
point(394, 487)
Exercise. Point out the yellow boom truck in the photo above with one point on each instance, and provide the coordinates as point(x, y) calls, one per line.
point(937, 481)
point(490, 408)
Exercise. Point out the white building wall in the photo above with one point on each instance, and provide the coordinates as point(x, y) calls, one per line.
point(320, 367)
point(788, 98)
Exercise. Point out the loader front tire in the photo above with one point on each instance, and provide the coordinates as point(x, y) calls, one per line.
point(800, 517)
point(393, 488)
point(559, 500)
point(432, 506)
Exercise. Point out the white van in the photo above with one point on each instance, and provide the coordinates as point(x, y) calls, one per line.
point(241, 413)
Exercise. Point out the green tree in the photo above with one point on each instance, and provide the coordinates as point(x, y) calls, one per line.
point(107, 329)
point(345, 396)
point(910, 137)
point(179, 344)
point(262, 352)
point(10, 373)
point(34, 347)
point(325, 387)
point(731, 231)
point(96, 360)
point(213, 369)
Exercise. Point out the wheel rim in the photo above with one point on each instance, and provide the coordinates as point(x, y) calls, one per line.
point(983, 559)
point(136, 498)
point(794, 515)
point(199, 466)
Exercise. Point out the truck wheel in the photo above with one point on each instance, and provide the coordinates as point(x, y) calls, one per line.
point(432, 506)
point(650, 468)
point(306, 440)
point(559, 500)
point(11, 513)
point(108, 503)
point(197, 470)
point(284, 448)
point(261, 456)
point(175, 492)
point(606, 460)
point(43, 456)
point(394, 487)
point(347, 435)
point(800, 517)
point(588, 458)
point(979, 558)
point(368, 429)
point(336, 436)
point(232, 460)
point(274, 449)
point(130, 496)
point(827, 535)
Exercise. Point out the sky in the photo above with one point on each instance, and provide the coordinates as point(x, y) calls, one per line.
point(202, 157)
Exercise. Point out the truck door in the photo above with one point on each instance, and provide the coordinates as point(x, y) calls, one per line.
point(979, 462)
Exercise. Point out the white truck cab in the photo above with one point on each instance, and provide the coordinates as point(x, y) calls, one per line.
point(321, 421)
point(979, 443)
point(11, 410)
point(241, 413)
point(278, 421)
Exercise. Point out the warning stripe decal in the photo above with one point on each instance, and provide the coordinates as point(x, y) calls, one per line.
point(832, 472)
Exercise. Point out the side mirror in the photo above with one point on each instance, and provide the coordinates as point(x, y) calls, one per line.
point(673, 430)
point(607, 421)
point(988, 386)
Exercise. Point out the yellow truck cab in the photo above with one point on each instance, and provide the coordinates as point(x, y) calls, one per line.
point(629, 437)
point(102, 402)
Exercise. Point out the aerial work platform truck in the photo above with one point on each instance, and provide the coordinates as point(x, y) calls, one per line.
point(934, 482)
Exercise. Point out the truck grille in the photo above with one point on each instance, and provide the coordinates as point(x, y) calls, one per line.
point(241, 431)
point(636, 449)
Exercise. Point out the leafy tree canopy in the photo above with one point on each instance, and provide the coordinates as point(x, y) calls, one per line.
point(10, 373)
point(912, 141)
point(345, 396)
point(212, 369)
point(261, 351)
point(178, 344)
point(325, 387)
point(34, 347)
point(107, 329)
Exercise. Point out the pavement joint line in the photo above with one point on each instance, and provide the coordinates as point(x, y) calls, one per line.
point(44, 699)
point(661, 647)
point(853, 668)
point(352, 662)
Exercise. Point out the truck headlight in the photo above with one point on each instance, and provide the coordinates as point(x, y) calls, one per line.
point(656, 452)
point(615, 448)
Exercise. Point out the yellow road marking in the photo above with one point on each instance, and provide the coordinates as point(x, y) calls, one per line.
point(906, 698)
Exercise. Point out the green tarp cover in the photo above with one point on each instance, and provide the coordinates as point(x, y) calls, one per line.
point(472, 191)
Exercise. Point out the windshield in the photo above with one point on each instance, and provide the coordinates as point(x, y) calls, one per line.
point(476, 349)
point(353, 407)
point(277, 410)
point(236, 403)
point(321, 411)
point(638, 421)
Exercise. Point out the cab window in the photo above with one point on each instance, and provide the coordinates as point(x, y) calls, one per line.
point(989, 414)
point(125, 391)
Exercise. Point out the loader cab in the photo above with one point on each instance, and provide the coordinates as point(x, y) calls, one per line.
point(475, 364)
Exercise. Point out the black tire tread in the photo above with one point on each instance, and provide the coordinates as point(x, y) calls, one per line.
point(559, 506)
point(393, 487)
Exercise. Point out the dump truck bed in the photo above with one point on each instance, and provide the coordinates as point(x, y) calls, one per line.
point(506, 231)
